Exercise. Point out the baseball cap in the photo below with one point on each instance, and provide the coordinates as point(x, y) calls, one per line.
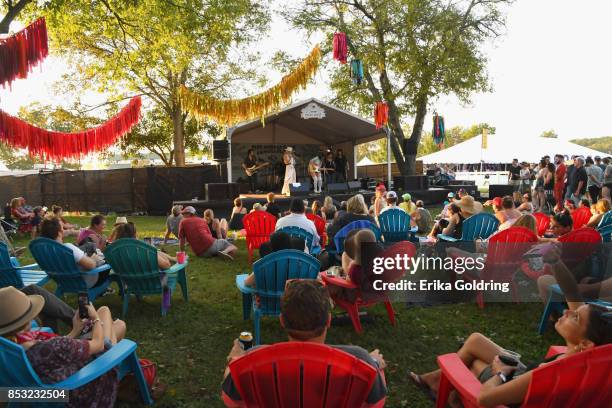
point(407, 196)
point(497, 201)
point(381, 187)
point(451, 195)
point(189, 210)
point(391, 194)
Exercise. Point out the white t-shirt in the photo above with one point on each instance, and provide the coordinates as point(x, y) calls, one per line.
point(90, 280)
point(300, 221)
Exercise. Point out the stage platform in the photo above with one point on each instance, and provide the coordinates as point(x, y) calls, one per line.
point(223, 208)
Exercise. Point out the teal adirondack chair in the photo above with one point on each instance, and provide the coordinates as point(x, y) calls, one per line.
point(135, 262)
point(271, 274)
point(478, 226)
point(606, 232)
point(395, 225)
point(606, 220)
point(12, 274)
point(58, 262)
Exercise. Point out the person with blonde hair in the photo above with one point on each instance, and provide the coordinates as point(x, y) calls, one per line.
point(272, 207)
point(528, 221)
point(356, 209)
point(329, 209)
point(173, 221)
point(599, 209)
point(218, 227)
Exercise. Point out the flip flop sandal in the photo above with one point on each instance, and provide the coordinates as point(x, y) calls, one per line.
point(226, 256)
point(421, 385)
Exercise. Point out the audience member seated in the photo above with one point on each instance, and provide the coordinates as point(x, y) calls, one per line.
point(39, 214)
point(118, 222)
point(173, 221)
point(391, 202)
point(526, 206)
point(297, 218)
point(128, 230)
point(258, 207)
point(505, 212)
point(69, 229)
point(421, 217)
point(54, 309)
point(19, 212)
point(238, 212)
point(55, 358)
point(329, 209)
point(528, 221)
point(316, 208)
point(342, 210)
point(561, 223)
point(272, 207)
point(598, 210)
point(451, 226)
point(195, 231)
point(583, 327)
point(94, 233)
point(356, 209)
point(52, 228)
point(407, 205)
point(306, 316)
point(218, 227)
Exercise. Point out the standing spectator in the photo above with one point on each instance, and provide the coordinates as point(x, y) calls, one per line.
point(525, 175)
point(379, 201)
point(570, 176)
point(514, 176)
point(595, 179)
point(407, 205)
point(195, 231)
point(173, 221)
point(606, 191)
point(541, 178)
point(341, 166)
point(296, 218)
point(579, 185)
point(94, 233)
point(272, 207)
point(599, 164)
point(560, 173)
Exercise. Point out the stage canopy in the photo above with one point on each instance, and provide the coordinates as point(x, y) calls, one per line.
point(305, 126)
point(502, 149)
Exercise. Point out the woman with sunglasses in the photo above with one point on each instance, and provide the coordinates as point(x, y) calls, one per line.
point(526, 206)
point(583, 326)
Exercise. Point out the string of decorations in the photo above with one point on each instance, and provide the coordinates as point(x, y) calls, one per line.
point(438, 132)
point(357, 71)
point(231, 111)
point(51, 145)
point(21, 52)
point(381, 114)
point(340, 47)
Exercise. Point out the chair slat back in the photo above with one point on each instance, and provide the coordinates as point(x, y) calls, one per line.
point(542, 222)
point(394, 224)
point(606, 233)
point(8, 274)
point(606, 220)
point(481, 225)
point(15, 368)
point(273, 271)
point(505, 252)
point(258, 225)
point(579, 244)
point(136, 264)
point(297, 374)
point(359, 224)
point(298, 232)
point(58, 262)
point(580, 217)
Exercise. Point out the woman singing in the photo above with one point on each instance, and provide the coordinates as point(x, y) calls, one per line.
point(290, 176)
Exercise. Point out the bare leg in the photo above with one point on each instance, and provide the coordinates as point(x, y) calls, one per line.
point(544, 283)
point(223, 226)
point(107, 323)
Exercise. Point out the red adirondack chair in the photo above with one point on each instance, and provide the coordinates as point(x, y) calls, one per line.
point(581, 380)
point(301, 374)
point(258, 226)
point(542, 222)
point(504, 256)
point(367, 299)
point(320, 226)
point(581, 216)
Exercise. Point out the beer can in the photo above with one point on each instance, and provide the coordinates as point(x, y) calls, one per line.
point(246, 339)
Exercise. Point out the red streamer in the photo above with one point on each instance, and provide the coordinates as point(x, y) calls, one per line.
point(56, 146)
point(381, 114)
point(340, 49)
point(23, 51)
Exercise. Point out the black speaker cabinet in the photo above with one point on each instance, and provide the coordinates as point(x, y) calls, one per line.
point(302, 190)
point(410, 182)
point(355, 185)
point(500, 190)
point(221, 191)
point(337, 188)
point(220, 150)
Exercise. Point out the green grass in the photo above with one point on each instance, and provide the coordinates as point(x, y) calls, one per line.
point(190, 345)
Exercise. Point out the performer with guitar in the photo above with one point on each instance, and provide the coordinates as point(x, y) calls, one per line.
point(251, 168)
point(329, 168)
point(314, 169)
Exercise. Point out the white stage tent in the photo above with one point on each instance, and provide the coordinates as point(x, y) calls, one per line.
point(502, 149)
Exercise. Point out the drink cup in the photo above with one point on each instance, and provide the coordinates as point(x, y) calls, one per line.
point(180, 257)
point(246, 340)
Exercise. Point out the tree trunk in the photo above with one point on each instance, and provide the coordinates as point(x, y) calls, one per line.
point(415, 137)
point(11, 14)
point(179, 136)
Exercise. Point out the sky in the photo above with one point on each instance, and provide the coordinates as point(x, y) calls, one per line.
point(550, 70)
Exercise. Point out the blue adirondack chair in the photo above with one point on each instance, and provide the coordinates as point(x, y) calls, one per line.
point(135, 263)
point(606, 232)
point(556, 302)
point(606, 220)
point(16, 371)
point(58, 262)
point(359, 224)
point(478, 226)
point(12, 274)
point(395, 225)
point(271, 274)
point(302, 233)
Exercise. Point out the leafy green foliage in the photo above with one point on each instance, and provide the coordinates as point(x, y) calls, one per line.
point(454, 136)
point(602, 144)
point(549, 134)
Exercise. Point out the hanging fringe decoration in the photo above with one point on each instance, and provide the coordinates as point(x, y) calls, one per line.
point(438, 130)
point(381, 114)
point(340, 47)
point(21, 52)
point(356, 71)
point(56, 146)
point(230, 111)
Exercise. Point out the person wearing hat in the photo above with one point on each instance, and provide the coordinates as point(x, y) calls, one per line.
point(407, 205)
point(469, 206)
point(391, 201)
point(195, 231)
point(55, 358)
point(173, 221)
point(290, 176)
point(119, 221)
point(444, 213)
point(314, 170)
point(380, 201)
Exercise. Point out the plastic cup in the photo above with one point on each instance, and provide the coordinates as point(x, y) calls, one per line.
point(180, 257)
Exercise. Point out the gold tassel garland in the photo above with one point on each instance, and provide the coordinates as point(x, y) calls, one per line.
point(231, 111)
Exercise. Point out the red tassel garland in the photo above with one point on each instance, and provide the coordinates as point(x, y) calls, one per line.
point(23, 51)
point(381, 114)
point(340, 47)
point(56, 146)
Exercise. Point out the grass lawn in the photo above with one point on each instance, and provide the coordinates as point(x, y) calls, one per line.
point(190, 345)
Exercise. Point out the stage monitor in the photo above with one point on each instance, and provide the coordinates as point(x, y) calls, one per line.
point(299, 189)
point(355, 186)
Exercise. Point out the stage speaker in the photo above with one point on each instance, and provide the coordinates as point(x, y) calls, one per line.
point(221, 191)
point(471, 190)
point(411, 182)
point(461, 182)
point(355, 186)
point(302, 190)
point(220, 150)
point(337, 188)
point(500, 190)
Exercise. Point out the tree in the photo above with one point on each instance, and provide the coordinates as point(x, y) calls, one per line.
point(549, 134)
point(602, 144)
point(154, 134)
point(153, 47)
point(11, 9)
point(454, 135)
point(412, 51)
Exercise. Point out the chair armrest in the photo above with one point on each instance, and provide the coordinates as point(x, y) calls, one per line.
point(97, 270)
point(241, 286)
point(461, 378)
point(29, 267)
point(333, 281)
point(174, 268)
point(443, 237)
point(554, 350)
point(101, 365)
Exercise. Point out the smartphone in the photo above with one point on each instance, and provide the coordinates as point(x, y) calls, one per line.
point(83, 302)
point(509, 360)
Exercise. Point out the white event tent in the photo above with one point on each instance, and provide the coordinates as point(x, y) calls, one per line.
point(502, 149)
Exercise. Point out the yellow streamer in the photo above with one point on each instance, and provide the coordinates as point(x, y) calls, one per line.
point(231, 111)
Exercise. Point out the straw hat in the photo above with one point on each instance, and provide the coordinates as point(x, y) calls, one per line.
point(289, 149)
point(469, 205)
point(120, 220)
point(17, 309)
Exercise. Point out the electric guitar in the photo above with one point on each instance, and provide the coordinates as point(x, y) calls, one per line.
point(254, 169)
